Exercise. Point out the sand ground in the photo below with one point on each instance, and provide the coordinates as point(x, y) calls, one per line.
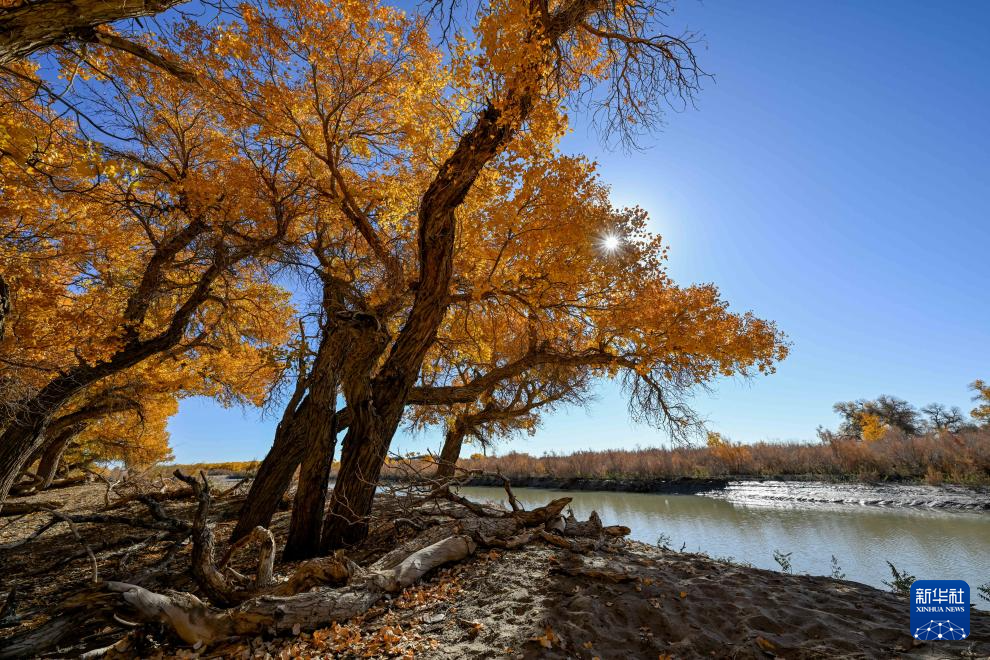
point(626, 600)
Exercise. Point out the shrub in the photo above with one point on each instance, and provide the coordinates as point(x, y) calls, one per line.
point(936, 457)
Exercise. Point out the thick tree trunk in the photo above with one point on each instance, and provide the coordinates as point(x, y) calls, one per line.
point(451, 451)
point(4, 306)
point(52, 457)
point(20, 440)
point(361, 461)
point(317, 424)
point(32, 25)
point(311, 493)
point(376, 414)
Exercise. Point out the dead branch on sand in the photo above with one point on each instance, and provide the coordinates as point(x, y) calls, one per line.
point(446, 527)
point(258, 605)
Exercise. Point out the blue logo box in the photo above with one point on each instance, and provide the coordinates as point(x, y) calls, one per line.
point(939, 610)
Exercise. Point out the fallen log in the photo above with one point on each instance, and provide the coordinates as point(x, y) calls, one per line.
point(157, 496)
point(67, 482)
point(8, 614)
point(22, 508)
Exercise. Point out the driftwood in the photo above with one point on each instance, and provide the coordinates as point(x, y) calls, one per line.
point(591, 527)
point(36, 484)
point(194, 621)
point(80, 611)
point(259, 606)
point(225, 586)
point(156, 496)
point(318, 593)
point(159, 521)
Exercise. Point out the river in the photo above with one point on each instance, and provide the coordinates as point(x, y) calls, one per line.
point(928, 543)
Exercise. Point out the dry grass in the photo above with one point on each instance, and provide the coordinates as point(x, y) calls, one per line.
point(958, 458)
point(962, 458)
point(236, 469)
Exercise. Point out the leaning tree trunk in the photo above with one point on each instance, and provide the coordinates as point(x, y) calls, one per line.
point(273, 478)
point(361, 461)
point(452, 443)
point(52, 457)
point(378, 416)
point(17, 443)
point(29, 26)
point(25, 435)
point(311, 493)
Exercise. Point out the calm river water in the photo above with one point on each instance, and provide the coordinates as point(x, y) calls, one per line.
point(929, 544)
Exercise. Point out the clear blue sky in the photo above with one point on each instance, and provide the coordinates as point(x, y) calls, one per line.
point(836, 179)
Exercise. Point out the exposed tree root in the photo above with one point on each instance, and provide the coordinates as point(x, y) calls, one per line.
point(447, 528)
point(291, 604)
point(194, 621)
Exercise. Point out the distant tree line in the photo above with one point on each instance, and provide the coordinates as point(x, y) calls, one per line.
point(871, 419)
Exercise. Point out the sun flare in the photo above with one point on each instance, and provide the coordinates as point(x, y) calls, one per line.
point(610, 242)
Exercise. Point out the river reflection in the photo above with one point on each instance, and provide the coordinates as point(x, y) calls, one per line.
point(928, 544)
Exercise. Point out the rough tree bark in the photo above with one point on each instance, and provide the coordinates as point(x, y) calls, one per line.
point(275, 473)
point(29, 26)
point(319, 429)
point(376, 416)
point(272, 479)
point(52, 457)
point(364, 449)
point(4, 305)
point(451, 451)
point(310, 501)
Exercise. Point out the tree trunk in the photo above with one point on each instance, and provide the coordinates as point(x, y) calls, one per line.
point(4, 305)
point(311, 493)
point(361, 463)
point(451, 451)
point(52, 457)
point(24, 436)
point(376, 414)
point(31, 26)
point(273, 478)
point(318, 429)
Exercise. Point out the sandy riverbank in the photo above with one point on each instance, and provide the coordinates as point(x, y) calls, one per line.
point(779, 489)
point(625, 600)
point(632, 602)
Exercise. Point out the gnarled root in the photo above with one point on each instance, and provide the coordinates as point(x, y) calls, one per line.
point(194, 621)
point(305, 601)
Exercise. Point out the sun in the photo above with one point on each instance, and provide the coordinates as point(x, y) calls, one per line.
point(610, 242)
